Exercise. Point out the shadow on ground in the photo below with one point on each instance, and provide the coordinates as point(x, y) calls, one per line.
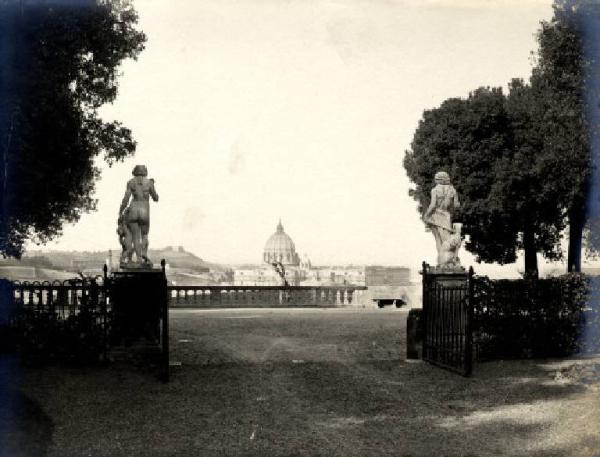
point(313, 383)
point(25, 429)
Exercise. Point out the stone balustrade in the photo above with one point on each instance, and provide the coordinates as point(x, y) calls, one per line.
point(66, 298)
point(262, 296)
point(61, 299)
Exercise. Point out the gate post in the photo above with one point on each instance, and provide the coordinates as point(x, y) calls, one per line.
point(165, 325)
point(447, 316)
point(104, 309)
point(469, 325)
point(425, 306)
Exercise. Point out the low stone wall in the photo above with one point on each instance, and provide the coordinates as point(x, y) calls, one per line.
point(262, 296)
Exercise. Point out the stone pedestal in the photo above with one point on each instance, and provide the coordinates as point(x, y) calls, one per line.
point(451, 276)
point(138, 302)
point(134, 266)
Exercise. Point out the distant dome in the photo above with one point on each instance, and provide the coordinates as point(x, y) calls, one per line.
point(280, 248)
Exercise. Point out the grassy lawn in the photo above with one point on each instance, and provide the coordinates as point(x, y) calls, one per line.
point(301, 383)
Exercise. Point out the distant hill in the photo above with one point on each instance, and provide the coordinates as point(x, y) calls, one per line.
point(176, 257)
point(184, 268)
point(29, 273)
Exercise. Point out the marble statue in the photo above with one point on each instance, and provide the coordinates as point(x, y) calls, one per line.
point(134, 218)
point(438, 217)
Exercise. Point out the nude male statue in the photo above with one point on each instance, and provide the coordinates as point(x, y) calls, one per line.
point(137, 214)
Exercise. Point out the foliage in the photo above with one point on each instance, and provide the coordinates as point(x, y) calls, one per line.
point(557, 85)
point(60, 65)
point(537, 317)
point(559, 80)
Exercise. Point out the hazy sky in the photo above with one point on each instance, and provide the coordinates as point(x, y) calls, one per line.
point(249, 111)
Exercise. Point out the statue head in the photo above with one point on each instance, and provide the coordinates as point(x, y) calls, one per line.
point(441, 177)
point(140, 170)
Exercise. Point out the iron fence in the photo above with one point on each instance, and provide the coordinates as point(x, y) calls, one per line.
point(66, 320)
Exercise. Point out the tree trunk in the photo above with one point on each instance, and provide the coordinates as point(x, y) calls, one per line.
point(576, 224)
point(531, 265)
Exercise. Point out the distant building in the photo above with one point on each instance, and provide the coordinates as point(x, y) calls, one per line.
point(335, 275)
point(281, 248)
point(387, 276)
point(264, 275)
point(301, 272)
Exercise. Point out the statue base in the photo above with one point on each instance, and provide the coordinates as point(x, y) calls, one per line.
point(136, 266)
point(446, 269)
point(449, 275)
point(138, 298)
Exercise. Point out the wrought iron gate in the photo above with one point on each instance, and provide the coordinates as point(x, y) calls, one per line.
point(448, 316)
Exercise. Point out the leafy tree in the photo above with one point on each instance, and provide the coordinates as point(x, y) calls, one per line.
point(558, 82)
point(60, 63)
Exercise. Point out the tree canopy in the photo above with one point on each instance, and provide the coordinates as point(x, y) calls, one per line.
point(60, 63)
point(558, 79)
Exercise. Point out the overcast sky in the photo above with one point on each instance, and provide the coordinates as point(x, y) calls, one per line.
point(249, 111)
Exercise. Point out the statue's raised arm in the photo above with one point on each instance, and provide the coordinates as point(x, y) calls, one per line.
point(153, 193)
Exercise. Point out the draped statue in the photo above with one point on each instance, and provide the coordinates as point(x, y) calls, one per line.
point(438, 218)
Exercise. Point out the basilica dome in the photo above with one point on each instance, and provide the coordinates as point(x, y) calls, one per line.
point(280, 248)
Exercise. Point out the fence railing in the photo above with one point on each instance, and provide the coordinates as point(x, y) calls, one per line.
point(80, 319)
point(57, 319)
point(262, 296)
point(65, 298)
